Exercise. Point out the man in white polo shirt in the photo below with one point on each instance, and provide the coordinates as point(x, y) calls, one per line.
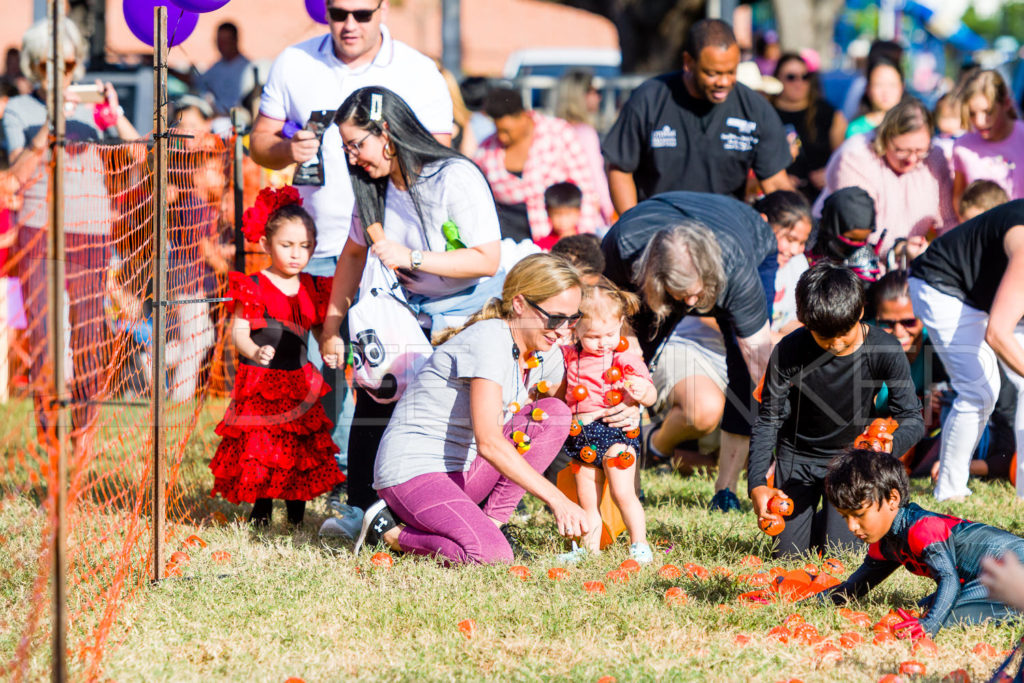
point(316, 75)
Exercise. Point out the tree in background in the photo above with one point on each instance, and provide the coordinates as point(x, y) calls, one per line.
point(807, 23)
point(651, 32)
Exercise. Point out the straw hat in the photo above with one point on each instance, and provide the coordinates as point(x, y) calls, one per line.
point(749, 75)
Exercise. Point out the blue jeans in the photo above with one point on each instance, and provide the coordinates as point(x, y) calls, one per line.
point(338, 403)
point(452, 310)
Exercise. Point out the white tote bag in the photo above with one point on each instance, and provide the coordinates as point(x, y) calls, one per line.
point(388, 344)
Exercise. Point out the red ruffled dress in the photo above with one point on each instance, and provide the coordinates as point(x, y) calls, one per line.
point(276, 438)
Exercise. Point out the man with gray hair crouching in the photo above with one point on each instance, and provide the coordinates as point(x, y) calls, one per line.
point(692, 254)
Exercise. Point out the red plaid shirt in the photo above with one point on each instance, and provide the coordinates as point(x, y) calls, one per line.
point(555, 156)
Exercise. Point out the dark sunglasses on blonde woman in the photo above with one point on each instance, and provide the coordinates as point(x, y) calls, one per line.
point(552, 321)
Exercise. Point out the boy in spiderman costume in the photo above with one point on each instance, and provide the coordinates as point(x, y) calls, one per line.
point(870, 490)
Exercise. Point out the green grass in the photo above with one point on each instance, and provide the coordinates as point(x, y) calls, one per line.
point(288, 605)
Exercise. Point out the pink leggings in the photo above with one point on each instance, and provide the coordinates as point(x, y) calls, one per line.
point(442, 510)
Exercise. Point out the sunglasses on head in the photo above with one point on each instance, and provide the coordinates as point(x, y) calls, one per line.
point(797, 77)
point(361, 15)
point(906, 323)
point(553, 321)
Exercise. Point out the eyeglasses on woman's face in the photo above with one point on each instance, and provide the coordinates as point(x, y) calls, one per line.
point(907, 154)
point(794, 77)
point(353, 148)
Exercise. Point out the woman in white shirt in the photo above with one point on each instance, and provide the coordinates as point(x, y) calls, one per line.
point(439, 234)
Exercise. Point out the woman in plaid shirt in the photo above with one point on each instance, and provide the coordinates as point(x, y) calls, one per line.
point(528, 153)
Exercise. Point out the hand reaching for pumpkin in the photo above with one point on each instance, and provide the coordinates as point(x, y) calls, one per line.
point(910, 627)
point(760, 496)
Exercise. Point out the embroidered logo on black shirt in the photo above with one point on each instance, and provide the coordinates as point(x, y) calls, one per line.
point(663, 137)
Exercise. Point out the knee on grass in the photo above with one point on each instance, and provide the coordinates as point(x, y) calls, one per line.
point(496, 553)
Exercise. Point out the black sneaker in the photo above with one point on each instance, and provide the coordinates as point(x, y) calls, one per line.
point(725, 501)
point(512, 534)
point(654, 457)
point(377, 521)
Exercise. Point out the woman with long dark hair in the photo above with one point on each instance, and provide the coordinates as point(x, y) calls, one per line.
point(884, 90)
point(439, 234)
point(819, 126)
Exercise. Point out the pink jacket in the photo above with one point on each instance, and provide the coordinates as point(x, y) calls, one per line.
point(912, 203)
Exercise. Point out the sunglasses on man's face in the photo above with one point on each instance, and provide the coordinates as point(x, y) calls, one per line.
point(553, 321)
point(361, 15)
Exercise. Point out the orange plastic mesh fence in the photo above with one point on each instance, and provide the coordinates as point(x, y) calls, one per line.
point(108, 223)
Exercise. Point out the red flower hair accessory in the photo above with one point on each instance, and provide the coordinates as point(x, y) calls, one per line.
point(269, 200)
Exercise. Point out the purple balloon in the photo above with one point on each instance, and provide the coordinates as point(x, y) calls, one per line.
point(200, 5)
point(138, 14)
point(317, 10)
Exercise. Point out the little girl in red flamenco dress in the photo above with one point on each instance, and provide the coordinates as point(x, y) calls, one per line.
point(276, 438)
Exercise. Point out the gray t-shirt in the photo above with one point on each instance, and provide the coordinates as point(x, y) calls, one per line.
point(26, 114)
point(431, 430)
point(87, 207)
point(224, 81)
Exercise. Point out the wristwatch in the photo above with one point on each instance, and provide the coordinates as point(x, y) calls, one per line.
point(415, 258)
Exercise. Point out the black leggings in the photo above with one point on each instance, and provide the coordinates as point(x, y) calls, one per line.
point(368, 424)
point(263, 507)
point(809, 528)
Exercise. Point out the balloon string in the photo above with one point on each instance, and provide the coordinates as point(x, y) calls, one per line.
point(170, 39)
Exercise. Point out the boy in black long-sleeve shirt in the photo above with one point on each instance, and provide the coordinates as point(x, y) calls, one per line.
point(818, 395)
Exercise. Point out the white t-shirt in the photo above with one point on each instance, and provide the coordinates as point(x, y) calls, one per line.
point(309, 77)
point(453, 190)
point(431, 430)
point(784, 308)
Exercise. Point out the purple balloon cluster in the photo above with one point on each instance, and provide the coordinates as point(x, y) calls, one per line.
point(317, 10)
point(182, 16)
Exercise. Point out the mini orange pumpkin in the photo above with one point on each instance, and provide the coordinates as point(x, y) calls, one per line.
point(382, 559)
point(467, 627)
point(780, 505)
point(520, 571)
point(675, 596)
point(670, 571)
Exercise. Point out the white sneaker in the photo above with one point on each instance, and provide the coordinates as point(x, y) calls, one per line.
point(641, 552)
point(574, 556)
point(347, 524)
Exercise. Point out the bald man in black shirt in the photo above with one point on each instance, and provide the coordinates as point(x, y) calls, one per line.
point(697, 130)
